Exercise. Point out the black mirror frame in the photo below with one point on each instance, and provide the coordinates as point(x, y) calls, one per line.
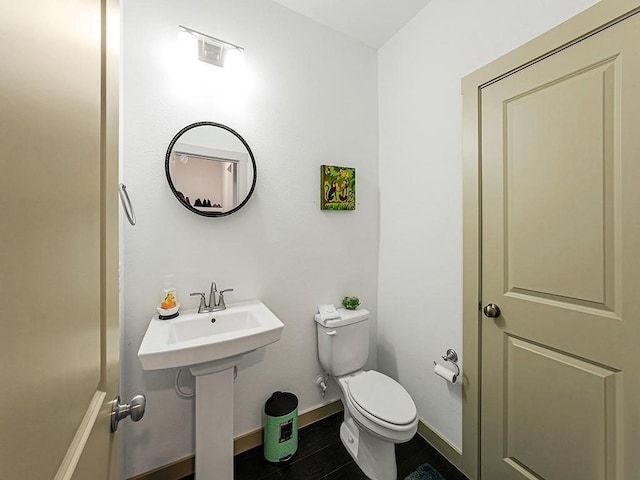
point(173, 188)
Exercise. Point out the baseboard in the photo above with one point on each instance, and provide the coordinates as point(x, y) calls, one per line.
point(441, 444)
point(173, 471)
point(242, 443)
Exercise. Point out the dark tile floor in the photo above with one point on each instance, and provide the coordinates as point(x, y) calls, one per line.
point(321, 456)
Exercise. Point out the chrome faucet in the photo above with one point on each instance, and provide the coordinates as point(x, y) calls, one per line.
point(203, 308)
point(214, 305)
point(220, 305)
point(212, 295)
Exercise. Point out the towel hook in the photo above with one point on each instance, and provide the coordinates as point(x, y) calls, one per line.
point(127, 207)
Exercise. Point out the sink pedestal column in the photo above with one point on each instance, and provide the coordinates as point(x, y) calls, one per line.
point(214, 420)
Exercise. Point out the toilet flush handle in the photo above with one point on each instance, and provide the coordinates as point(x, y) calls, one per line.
point(331, 333)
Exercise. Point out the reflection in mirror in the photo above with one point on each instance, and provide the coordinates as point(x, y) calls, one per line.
point(210, 169)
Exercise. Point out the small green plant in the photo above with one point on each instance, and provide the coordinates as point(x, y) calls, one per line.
point(350, 303)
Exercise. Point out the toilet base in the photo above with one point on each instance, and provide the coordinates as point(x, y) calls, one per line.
point(375, 457)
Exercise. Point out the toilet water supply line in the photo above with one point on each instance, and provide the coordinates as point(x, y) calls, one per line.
point(321, 382)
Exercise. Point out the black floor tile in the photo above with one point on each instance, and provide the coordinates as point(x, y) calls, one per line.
point(318, 435)
point(429, 455)
point(251, 465)
point(321, 456)
point(315, 466)
point(446, 469)
point(406, 450)
point(350, 471)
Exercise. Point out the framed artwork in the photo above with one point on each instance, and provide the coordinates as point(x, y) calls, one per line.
point(337, 188)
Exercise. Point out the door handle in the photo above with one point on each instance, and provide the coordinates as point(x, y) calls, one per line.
point(134, 409)
point(491, 310)
point(126, 204)
point(331, 333)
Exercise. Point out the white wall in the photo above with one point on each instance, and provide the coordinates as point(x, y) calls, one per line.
point(313, 101)
point(420, 111)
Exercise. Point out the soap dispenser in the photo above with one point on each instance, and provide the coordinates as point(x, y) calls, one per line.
point(169, 298)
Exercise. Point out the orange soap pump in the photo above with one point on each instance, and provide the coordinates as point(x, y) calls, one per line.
point(169, 298)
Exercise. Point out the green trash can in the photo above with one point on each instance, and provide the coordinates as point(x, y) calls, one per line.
point(280, 420)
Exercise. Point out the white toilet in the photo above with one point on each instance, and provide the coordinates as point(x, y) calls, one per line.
point(378, 411)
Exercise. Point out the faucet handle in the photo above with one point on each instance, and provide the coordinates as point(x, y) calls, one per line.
point(221, 297)
point(203, 302)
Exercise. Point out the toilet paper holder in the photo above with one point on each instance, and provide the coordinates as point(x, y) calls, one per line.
point(452, 357)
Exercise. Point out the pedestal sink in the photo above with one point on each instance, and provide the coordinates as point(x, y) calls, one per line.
point(211, 344)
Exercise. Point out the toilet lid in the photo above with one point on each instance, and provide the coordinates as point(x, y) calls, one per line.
point(382, 397)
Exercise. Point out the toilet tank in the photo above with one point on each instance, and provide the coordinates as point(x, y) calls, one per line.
point(343, 344)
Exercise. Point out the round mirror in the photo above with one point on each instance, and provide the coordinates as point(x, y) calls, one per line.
point(210, 169)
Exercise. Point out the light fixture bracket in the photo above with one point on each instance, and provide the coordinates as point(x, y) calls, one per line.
point(211, 50)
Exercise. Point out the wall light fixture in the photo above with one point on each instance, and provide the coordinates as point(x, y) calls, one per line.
point(213, 50)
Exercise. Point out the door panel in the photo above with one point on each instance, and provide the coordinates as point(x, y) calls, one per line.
point(580, 393)
point(562, 163)
point(560, 248)
point(59, 356)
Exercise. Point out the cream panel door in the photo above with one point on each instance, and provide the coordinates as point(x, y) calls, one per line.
point(58, 240)
point(560, 155)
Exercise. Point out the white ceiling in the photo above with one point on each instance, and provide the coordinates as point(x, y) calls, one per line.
point(372, 22)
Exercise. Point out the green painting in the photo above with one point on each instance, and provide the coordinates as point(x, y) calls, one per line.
point(337, 188)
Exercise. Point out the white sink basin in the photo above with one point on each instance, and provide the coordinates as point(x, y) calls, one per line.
point(196, 338)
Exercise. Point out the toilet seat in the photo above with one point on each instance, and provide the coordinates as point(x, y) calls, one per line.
point(382, 400)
